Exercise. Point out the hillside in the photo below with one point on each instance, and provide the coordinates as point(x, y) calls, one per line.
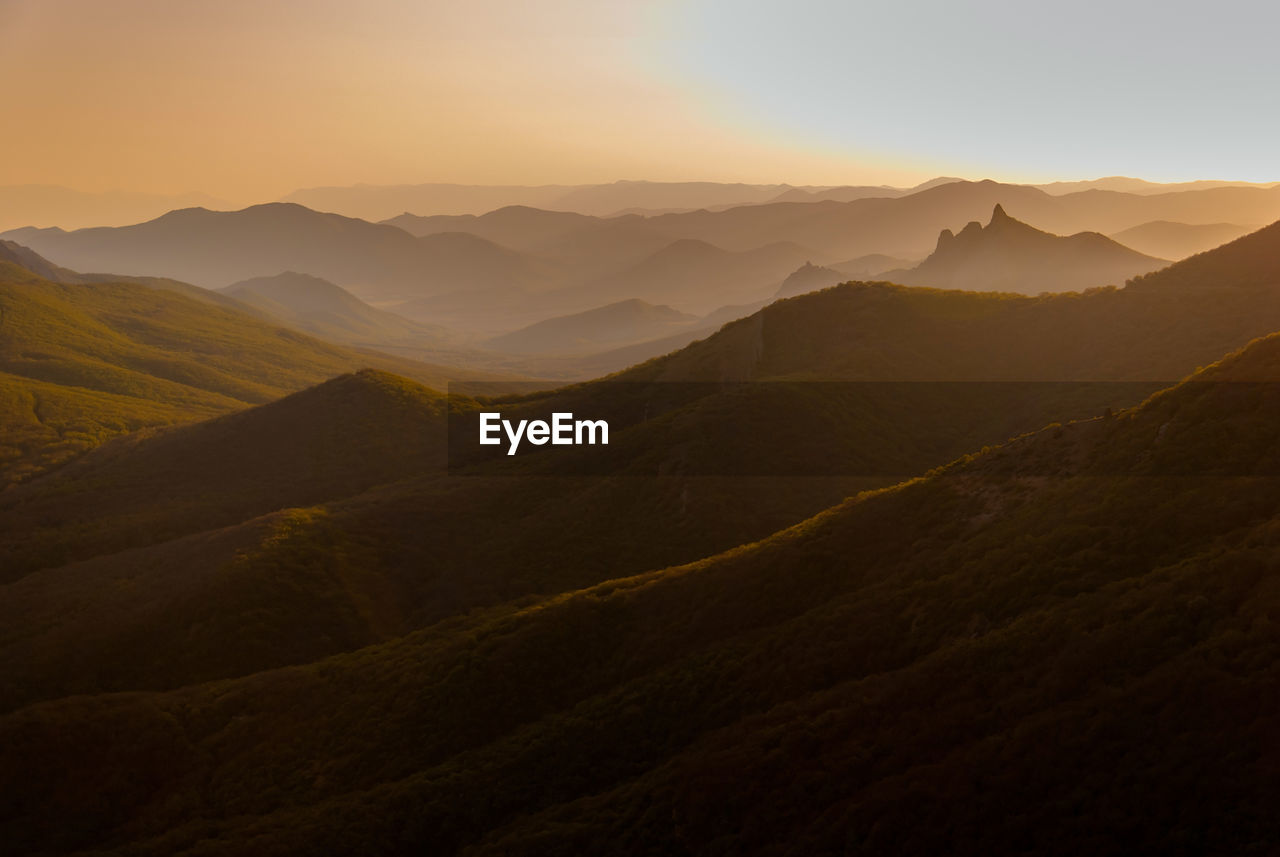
point(331, 312)
point(1023, 649)
point(1179, 240)
point(82, 362)
point(1010, 256)
point(698, 277)
point(614, 325)
point(808, 278)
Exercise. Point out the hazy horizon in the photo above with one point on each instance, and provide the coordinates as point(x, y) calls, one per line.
point(248, 103)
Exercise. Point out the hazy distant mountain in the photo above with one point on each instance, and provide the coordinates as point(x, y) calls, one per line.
point(379, 202)
point(845, 193)
point(217, 248)
point(808, 278)
point(697, 277)
point(1179, 240)
point(374, 202)
point(871, 266)
point(1125, 184)
point(516, 226)
point(331, 312)
point(610, 326)
point(49, 205)
point(908, 226)
point(1010, 256)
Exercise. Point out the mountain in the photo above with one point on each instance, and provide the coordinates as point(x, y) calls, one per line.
point(331, 312)
point(808, 278)
point(1125, 184)
point(619, 196)
point(871, 266)
point(1058, 645)
point(81, 362)
point(356, 655)
point(380, 202)
point(1179, 240)
point(517, 226)
point(28, 259)
point(908, 226)
point(865, 383)
point(613, 325)
point(50, 205)
point(844, 193)
point(1010, 256)
point(374, 202)
point(217, 248)
point(698, 277)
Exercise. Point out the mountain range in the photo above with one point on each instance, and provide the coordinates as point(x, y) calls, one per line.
point(1010, 647)
point(866, 567)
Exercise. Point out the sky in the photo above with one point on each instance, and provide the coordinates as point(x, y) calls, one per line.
point(250, 100)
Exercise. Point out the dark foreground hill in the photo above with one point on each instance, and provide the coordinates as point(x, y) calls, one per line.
point(1063, 645)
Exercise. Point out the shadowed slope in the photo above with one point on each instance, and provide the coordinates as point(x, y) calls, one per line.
point(1027, 651)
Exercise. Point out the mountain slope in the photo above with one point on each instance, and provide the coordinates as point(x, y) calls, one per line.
point(808, 278)
point(331, 312)
point(1179, 240)
point(1010, 256)
point(698, 277)
point(84, 361)
point(1158, 327)
point(614, 325)
point(1052, 647)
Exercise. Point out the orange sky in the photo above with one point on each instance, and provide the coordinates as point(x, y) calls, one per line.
point(249, 100)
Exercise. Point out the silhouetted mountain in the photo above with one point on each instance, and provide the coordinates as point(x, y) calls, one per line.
point(614, 325)
point(1179, 240)
point(845, 193)
point(319, 307)
point(619, 196)
point(1160, 326)
point(373, 202)
point(49, 205)
point(808, 278)
point(871, 266)
point(1124, 184)
point(909, 225)
point(698, 277)
point(1010, 256)
point(516, 226)
point(216, 248)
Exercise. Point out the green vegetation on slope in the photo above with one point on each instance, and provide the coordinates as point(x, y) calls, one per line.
point(80, 362)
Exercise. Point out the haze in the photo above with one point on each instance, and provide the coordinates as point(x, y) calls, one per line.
point(248, 101)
